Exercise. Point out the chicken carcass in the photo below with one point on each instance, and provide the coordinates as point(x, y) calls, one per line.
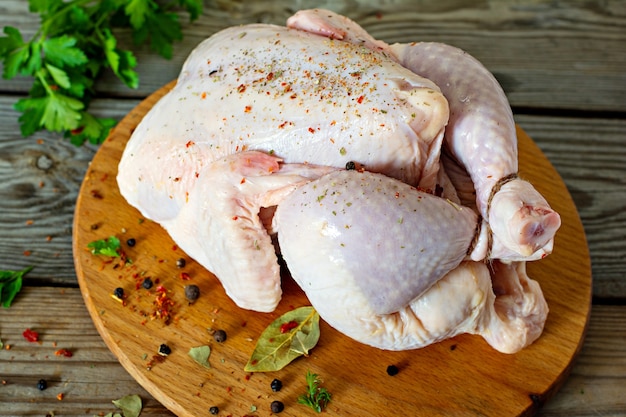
point(262, 113)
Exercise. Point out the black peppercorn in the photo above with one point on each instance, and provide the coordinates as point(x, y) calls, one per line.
point(131, 242)
point(147, 283)
point(42, 384)
point(181, 262)
point(192, 292)
point(276, 385)
point(277, 406)
point(164, 350)
point(392, 370)
point(350, 165)
point(118, 293)
point(214, 410)
point(219, 336)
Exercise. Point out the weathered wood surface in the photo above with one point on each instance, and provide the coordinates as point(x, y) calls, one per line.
point(563, 66)
point(93, 377)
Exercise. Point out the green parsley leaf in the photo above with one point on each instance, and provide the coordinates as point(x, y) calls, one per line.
point(106, 247)
point(71, 48)
point(316, 397)
point(10, 285)
point(61, 51)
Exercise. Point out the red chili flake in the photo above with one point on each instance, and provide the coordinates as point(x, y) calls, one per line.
point(190, 143)
point(64, 352)
point(29, 222)
point(175, 247)
point(185, 276)
point(48, 238)
point(40, 141)
point(244, 324)
point(27, 253)
point(96, 194)
point(247, 377)
point(235, 217)
point(203, 95)
point(243, 180)
point(60, 396)
point(247, 109)
point(360, 99)
point(31, 335)
point(311, 130)
point(289, 326)
point(241, 88)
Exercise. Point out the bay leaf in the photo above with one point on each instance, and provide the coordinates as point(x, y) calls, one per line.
point(277, 347)
point(201, 355)
point(130, 405)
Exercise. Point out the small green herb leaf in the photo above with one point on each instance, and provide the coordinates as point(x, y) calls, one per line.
point(130, 405)
point(107, 247)
point(316, 397)
point(288, 337)
point(201, 355)
point(10, 285)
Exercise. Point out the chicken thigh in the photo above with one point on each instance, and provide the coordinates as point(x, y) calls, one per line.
point(384, 264)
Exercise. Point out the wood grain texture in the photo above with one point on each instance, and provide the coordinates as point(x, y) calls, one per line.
point(592, 162)
point(353, 372)
point(93, 377)
point(547, 54)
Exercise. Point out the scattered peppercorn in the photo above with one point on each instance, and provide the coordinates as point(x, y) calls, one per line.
point(276, 385)
point(118, 293)
point(181, 262)
point(350, 165)
point(42, 384)
point(131, 242)
point(164, 350)
point(219, 336)
point(192, 292)
point(392, 370)
point(277, 406)
point(147, 283)
point(214, 410)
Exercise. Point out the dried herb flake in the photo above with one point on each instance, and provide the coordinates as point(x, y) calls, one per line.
point(201, 355)
point(130, 405)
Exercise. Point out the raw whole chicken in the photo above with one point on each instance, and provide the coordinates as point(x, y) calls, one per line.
point(264, 119)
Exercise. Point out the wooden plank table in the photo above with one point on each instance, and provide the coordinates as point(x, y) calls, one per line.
point(563, 67)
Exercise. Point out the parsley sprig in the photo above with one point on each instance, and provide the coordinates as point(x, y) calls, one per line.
point(10, 285)
point(316, 397)
point(75, 42)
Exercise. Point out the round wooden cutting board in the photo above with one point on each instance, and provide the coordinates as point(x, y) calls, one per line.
point(458, 377)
